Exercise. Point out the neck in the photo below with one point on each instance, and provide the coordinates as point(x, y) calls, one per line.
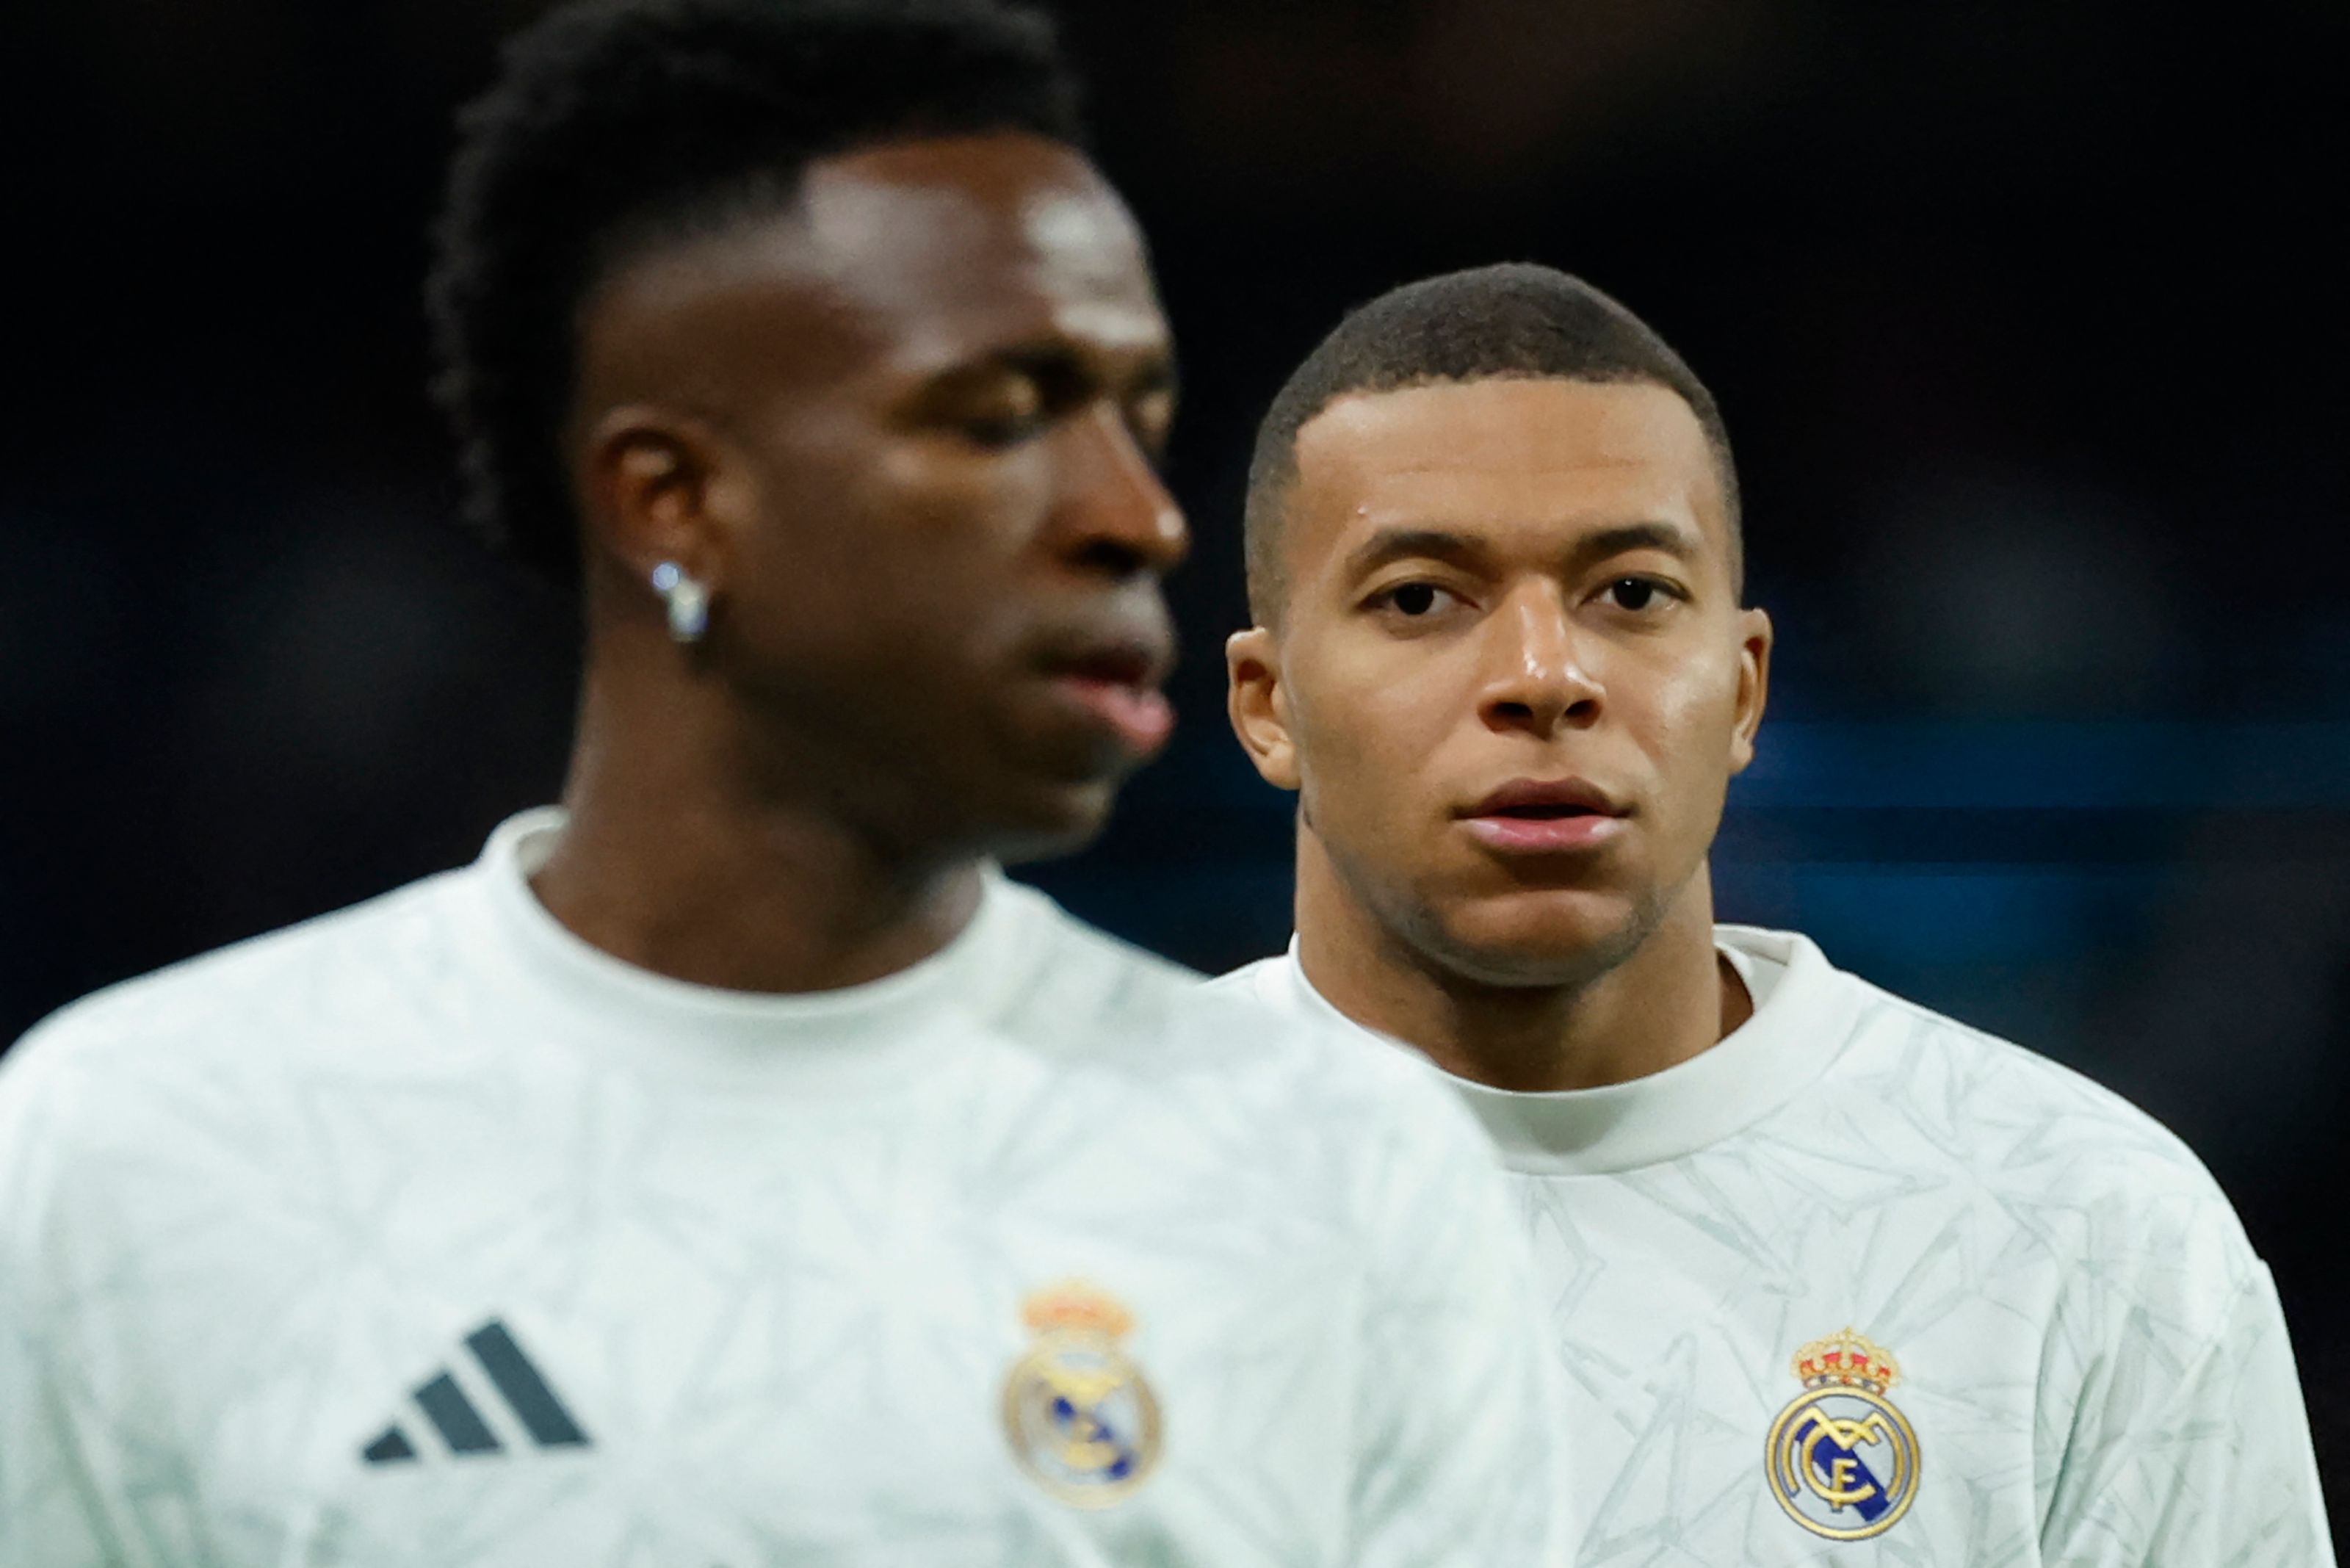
point(695, 851)
point(1670, 998)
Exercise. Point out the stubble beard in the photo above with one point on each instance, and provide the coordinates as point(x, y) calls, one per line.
point(1419, 929)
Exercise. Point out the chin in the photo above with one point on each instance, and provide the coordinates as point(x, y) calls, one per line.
point(1035, 792)
point(1050, 819)
point(1545, 937)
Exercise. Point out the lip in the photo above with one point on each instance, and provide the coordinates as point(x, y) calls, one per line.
point(1538, 817)
point(1115, 682)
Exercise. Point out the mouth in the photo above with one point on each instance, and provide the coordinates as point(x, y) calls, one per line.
point(1531, 816)
point(1116, 687)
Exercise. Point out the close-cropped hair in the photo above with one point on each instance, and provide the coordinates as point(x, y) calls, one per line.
point(616, 127)
point(1516, 320)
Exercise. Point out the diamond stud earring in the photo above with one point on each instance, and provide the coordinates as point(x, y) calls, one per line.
point(688, 602)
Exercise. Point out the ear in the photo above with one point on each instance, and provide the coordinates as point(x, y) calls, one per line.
point(1259, 705)
point(1753, 684)
point(660, 487)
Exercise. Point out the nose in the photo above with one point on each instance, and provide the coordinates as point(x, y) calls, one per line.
point(1536, 679)
point(1113, 515)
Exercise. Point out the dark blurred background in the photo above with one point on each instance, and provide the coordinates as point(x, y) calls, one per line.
point(2022, 314)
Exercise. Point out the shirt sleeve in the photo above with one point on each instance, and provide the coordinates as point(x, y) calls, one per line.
point(50, 1514)
point(74, 1491)
point(1461, 1451)
point(2185, 1467)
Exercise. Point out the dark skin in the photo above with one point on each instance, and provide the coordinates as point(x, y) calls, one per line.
point(1498, 583)
point(905, 433)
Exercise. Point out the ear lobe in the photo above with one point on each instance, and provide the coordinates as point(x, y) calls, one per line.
point(1753, 685)
point(651, 480)
point(1258, 706)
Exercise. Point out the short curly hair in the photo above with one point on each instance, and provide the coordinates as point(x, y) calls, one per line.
point(617, 127)
point(1513, 320)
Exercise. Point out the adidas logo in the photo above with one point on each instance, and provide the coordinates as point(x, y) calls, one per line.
point(456, 1416)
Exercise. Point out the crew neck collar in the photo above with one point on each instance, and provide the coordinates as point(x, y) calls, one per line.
point(851, 1034)
point(1802, 1020)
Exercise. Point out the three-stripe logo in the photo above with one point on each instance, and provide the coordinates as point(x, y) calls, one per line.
point(453, 1415)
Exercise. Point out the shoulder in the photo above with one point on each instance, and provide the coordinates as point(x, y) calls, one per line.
point(177, 1116)
point(245, 1004)
point(2011, 1108)
point(2129, 1209)
point(1137, 1015)
point(1264, 982)
point(1273, 985)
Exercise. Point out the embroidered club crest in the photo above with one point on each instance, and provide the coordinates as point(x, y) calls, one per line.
point(1843, 1461)
point(1081, 1419)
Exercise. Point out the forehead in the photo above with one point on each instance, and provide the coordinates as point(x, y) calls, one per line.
point(914, 255)
point(1521, 455)
point(995, 232)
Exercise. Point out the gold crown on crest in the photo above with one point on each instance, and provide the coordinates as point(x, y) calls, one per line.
point(1073, 1306)
point(1845, 1360)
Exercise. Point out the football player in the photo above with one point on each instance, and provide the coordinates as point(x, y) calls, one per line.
point(730, 1167)
point(1821, 1266)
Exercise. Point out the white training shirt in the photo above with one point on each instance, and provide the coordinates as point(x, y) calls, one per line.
point(427, 1235)
point(2087, 1365)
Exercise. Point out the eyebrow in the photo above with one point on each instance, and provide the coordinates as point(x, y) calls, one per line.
point(1402, 543)
point(1057, 358)
point(1670, 537)
point(1396, 543)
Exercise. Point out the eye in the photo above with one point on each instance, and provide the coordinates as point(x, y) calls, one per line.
point(1004, 412)
point(1637, 593)
point(1413, 601)
point(1150, 417)
point(998, 431)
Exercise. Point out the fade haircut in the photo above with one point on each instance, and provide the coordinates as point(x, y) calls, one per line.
point(617, 127)
point(1513, 321)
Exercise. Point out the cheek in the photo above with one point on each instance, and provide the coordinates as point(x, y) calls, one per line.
point(967, 528)
point(1367, 728)
point(906, 553)
point(959, 504)
point(1686, 719)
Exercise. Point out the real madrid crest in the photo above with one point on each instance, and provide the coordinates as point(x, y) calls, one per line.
point(1081, 1419)
point(1843, 1461)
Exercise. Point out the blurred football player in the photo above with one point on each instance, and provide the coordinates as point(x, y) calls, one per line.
point(730, 1167)
point(1823, 1267)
